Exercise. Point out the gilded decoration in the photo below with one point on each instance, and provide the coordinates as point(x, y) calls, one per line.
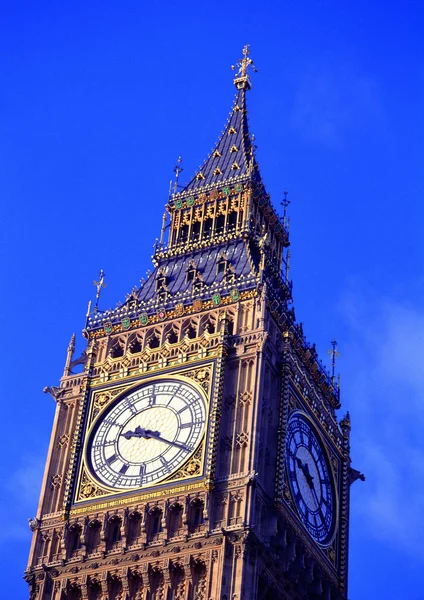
point(101, 399)
point(202, 376)
point(88, 489)
point(193, 467)
point(197, 305)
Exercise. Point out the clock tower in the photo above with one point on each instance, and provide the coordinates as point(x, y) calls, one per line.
point(198, 455)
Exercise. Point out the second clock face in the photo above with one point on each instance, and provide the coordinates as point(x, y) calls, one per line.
point(310, 478)
point(146, 435)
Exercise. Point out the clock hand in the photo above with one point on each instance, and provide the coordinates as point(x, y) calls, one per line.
point(155, 435)
point(319, 508)
point(139, 432)
point(304, 467)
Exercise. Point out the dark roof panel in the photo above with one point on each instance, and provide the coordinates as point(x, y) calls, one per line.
point(233, 156)
point(206, 262)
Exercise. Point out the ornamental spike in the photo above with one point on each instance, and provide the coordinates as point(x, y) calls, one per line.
point(242, 80)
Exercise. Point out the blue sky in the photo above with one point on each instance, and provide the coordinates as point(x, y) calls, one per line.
point(99, 99)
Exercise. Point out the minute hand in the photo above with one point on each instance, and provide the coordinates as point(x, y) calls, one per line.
point(155, 436)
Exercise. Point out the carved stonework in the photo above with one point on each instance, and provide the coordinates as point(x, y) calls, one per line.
point(245, 398)
point(242, 439)
point(56, 480)
point(202, 376)
point(192, 468)
point(63, 440)
point(89, 489)
point(101, 399)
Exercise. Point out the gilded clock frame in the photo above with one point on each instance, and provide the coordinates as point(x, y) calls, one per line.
point(330, 467)
point(87, 480)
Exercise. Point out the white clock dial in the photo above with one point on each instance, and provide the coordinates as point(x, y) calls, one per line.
point(147, 434)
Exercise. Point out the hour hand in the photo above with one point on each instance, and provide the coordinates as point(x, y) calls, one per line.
point(304, 467)
point(138, 432)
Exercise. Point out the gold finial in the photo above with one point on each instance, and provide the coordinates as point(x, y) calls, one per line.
point(334, 353)
point(99, 285)
point(242, 78)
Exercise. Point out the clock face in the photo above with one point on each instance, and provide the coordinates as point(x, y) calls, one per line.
point(147, 434)
point(310, 479)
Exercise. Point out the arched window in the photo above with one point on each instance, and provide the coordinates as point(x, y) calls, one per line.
point(134, 527)
point(195, 232)
point(195, 515)
point(232, 220)
point(154, 524)
point(183, 233)
point(135, 346)
point(191, 332)
point(153, 341)
point(93, 535)
point(207, 228)
point(74, 592)
point(175, 520)
point(74, 538)
point(114, 531)
point(172, 337)
point(117, 350)
point(220, 224)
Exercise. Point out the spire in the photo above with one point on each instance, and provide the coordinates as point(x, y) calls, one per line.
point(232, 160)
point(69, 356)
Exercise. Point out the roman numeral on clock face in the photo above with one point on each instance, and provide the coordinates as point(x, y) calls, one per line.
point(145, 435)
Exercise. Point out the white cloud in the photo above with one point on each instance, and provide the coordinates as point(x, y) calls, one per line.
point(17, 497)
point(384, 387)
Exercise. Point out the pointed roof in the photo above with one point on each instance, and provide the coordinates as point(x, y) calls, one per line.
point(233, 158)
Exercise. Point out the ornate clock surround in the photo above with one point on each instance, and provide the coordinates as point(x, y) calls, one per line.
point(201, 377)
point(300, 395)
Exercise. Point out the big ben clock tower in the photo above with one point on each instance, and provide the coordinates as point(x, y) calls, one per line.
point(198, 455)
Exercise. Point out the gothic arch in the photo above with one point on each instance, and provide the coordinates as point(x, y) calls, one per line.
point(174, 519)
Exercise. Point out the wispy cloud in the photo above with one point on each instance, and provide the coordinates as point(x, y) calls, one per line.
point(17, 497)
point(331, 102)
point(386, 393)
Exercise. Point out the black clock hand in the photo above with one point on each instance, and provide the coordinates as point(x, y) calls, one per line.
point(140, 432)
point(155, 435)
point(147, 434)
point(304, 467)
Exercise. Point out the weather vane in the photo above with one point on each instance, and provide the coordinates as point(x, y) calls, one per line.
point(334, 353)
point(177, 170)
point(285, 203)
point(242, 65)
point(99, 285)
